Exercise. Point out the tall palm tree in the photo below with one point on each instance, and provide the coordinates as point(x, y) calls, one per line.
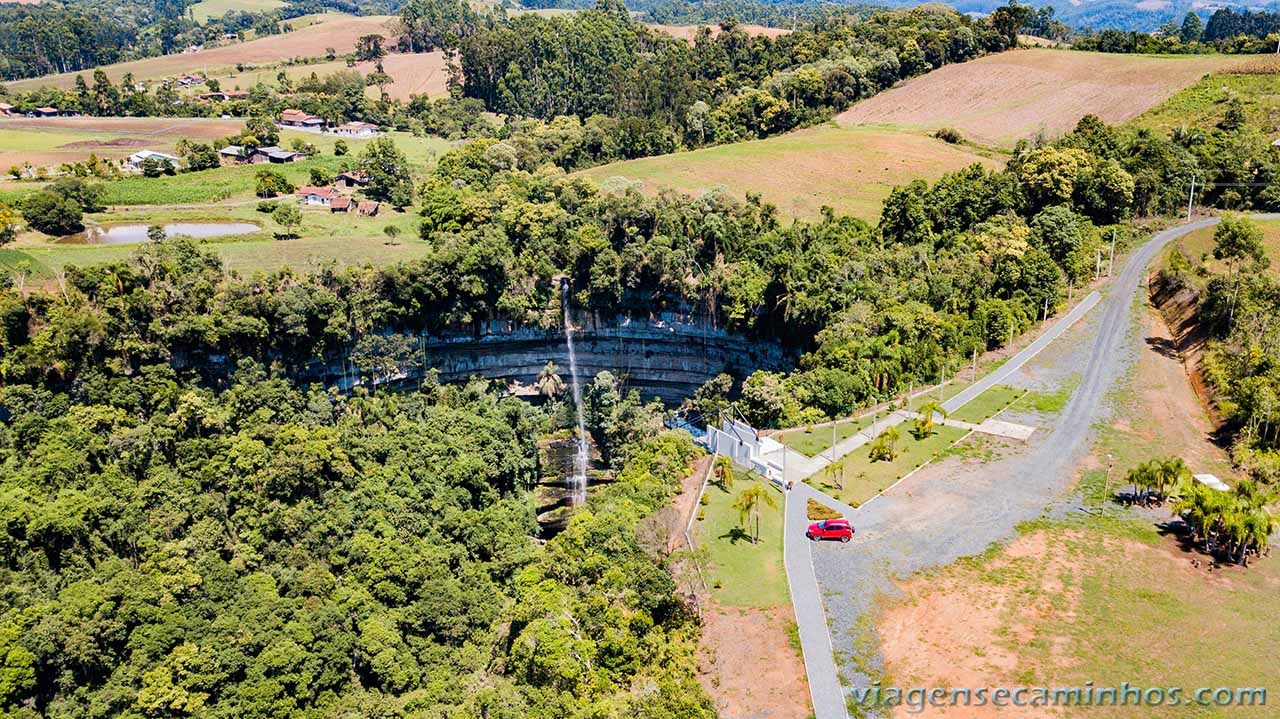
point(723, 469)
point(748, 505)
point(549, 383)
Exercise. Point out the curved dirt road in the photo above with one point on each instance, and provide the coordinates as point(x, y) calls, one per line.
point(906, 530)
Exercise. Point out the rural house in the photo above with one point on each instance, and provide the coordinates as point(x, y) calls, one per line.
point(298, 118)
point(320, 196)
point(367, 209)
point(278, 155)
point(233, 154)
point(45, 112)
point(340, 204)
point(356, 130)
point(6, 109)
point(136, 159)
point(352, 180)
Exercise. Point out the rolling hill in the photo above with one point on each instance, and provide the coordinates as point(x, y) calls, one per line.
point(1000, 99)
point(849, 169)
point(333, 31)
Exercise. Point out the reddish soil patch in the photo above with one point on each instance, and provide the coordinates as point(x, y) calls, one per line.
point(969, 626)
point(747, 664)
point(999, 99)
point(685, 503)
point(414, 74)
point(955, 632)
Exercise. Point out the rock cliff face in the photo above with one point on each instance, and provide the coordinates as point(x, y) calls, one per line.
point(664, 357)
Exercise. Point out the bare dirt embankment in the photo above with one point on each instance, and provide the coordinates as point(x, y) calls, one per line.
point(1000, 99)
point(1178, 307)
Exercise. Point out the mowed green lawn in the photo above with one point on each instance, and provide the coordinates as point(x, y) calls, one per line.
point(864, 479)
point(851, 170)
point(812, 442)
point(988, 404)
point(749, 575)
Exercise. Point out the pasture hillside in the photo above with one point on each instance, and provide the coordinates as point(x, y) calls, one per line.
point(47, 142)
point(205, 10)
point(413, 74)
point(336, 31)
point(1256, 85)
point(849, 169)
point(1002, 98)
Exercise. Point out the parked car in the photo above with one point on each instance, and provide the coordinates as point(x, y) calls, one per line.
point(830, 529)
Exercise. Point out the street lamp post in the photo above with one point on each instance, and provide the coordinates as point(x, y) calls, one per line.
point(1107, 486)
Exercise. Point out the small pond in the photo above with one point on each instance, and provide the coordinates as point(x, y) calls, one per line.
point(133, 234)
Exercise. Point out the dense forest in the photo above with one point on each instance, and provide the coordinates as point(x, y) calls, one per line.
point(1227, 31)
point(722, 88)
point(272, 550)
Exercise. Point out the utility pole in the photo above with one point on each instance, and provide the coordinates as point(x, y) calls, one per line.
point(1046, 309)
point(1097, 266)
point(1071, 286)
point(1191, 196)
point(975, 364)
point(1011, 331)
point(1111, 263)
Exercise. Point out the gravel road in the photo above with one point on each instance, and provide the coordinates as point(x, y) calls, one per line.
point(930, 521)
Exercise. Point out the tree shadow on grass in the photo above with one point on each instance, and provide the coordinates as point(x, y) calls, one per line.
point(735, 535)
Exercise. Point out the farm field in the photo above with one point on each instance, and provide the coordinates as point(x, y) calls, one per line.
point(206, 9)
point(1103, 600)
point(689, 32)
point(336, 31)
point(1000, 99)
point(851, 170)
point(73, 139)
point(52, 141)
point(414, 74)
point(1205, 103)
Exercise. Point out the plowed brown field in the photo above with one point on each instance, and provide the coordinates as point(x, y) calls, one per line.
point(1000, 99)
point(338, 32)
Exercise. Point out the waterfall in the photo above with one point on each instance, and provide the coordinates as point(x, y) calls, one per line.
point(578, 482)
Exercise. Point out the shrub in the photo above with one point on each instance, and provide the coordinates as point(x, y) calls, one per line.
point(949, 134)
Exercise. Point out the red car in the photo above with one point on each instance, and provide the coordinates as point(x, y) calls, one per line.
point(830, 529)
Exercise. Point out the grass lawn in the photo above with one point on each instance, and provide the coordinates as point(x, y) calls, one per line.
point(1105, 600)
point(864, 479)
point(812, 442)
point(986, 405)
point(748, 575)
point(849, 169)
